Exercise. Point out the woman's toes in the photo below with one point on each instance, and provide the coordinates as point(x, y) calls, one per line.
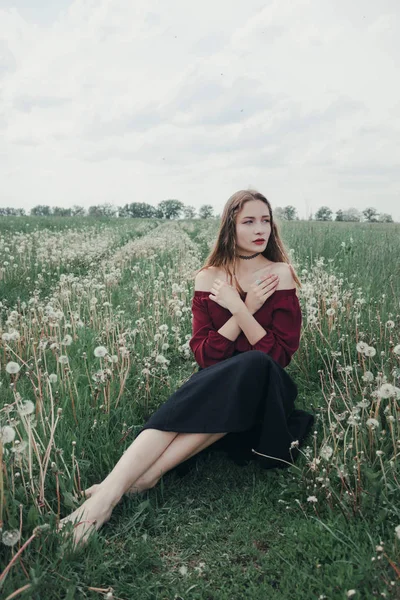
point(89, 517)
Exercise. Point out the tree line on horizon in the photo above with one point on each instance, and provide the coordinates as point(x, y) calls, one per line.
point(175, 209)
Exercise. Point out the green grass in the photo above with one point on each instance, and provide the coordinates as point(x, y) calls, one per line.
point(221, 531)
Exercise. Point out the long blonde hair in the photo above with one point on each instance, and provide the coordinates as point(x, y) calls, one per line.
point(223, 253)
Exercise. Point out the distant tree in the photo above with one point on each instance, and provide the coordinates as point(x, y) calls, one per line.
point(351, 214)
point(10, 211)
point(170, 209)
point(289, 213)
point(78, 211)
point(59, 211)
point(278, 213)
point(103, 210)
point(339, 215)
point(189, 212)
point(41, 210)
point(370, 215)
point(323, 214)
point(206, 211)
point(385, 218)
point(140, 210)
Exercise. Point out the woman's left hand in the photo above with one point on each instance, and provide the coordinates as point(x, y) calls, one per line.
point(225, 295)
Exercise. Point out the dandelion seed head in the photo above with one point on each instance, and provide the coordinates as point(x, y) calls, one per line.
point(386, 390)
point(26, 408)
point(326, 452)
point(67, 341)
point(361, 347)
point(368, 377)
point(13, 368)
point(11, 537)
point(63, 359)
point(100, 351)
point(370, 351)
point(7, 434)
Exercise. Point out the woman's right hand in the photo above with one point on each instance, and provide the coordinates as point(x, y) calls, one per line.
point(258, 293)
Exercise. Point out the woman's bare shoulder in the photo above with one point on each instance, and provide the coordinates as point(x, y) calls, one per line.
point(205, 279)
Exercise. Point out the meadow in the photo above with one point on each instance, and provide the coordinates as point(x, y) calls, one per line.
point(95, 319)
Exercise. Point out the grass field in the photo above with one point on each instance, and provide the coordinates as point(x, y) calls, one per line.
point(326, 528)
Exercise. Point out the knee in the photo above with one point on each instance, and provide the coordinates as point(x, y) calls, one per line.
point(258, 355)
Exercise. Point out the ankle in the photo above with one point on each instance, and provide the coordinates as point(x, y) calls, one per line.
point(110, 494)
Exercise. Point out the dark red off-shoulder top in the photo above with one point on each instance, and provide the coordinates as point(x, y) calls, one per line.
point(280, 315)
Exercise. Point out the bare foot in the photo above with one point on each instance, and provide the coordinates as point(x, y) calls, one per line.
point(89, 517)
point(90, 491)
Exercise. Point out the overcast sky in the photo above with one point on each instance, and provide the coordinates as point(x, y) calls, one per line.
point(143, 100)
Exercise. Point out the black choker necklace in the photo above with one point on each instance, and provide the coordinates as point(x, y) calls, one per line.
point(248, 257)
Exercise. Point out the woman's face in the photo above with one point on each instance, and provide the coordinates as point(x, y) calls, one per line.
point(252, 222)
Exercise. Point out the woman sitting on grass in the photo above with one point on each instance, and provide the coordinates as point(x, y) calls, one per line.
point(246, 327)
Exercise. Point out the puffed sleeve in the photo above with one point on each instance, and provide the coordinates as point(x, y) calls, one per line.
point(283, 334)
point(207, 345)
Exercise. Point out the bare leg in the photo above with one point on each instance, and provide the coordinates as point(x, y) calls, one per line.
point(138, 458)
point(170, 458)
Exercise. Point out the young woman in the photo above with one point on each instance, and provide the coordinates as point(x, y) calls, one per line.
point(246, 327)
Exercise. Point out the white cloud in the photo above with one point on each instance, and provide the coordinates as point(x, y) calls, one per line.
point(116, 101)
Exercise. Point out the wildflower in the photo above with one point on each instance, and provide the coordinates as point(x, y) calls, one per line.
point(396, 349)
point(386, 390)
point(326, 452)
point(312, 499)
point(373, 423)
point(161, 359)
point(67, 341)
point(7, 434)
point(364, 403)
point(12, 368)
point(27, 408)
point(370, 351)
point(100, 351)
point(361, 347)
point(390, 324)
point(294, 444)
point(330, 312)
point(53, 378)
point(20, 448)
point(183, 570)
point(63, 359)
point(368, 377)
point(10, 537)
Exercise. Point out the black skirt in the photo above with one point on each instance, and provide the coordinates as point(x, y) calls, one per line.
point(249, 396)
